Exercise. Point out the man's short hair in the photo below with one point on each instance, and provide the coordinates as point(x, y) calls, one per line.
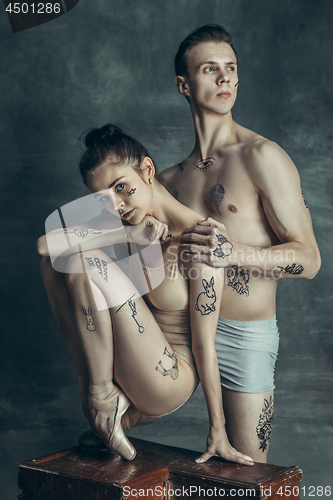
point(206, 33)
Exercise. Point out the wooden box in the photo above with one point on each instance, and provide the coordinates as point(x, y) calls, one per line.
point(158, 472)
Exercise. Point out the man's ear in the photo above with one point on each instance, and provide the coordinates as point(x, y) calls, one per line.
point(182, 85)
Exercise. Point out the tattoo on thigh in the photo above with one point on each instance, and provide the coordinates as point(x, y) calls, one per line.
point(264, 427)
point(89, 319)
point(224, 247)
point(293, 269)
point(238, 279)
point(132, 306)
point(304, 200)
point(204, 164)
point(174, 370)
point(206, 300)
point(82, 233)
point(216, 195)
point(90, 261)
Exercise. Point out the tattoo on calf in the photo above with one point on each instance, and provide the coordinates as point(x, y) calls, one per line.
point(174, 370)
point(206, 300)
point(131, 191)
point(89, 319)
point(175, 194)
point(293, 269)
point(132, 306)
point(224, 247)
point(180, 166)
point(82, 233)
point(204, 164)
point(238, 279)
point(264, 427)
point(216, 195)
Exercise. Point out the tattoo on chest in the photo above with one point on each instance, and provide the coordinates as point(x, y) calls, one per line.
point(132, 307)
point(265, 424)
point(238, 280)
point(174, 370)
point(180, 166)
point(82, 233)
point(175, 194)
point(216, 195)
point(204, 164)
point(224, 247)
point(131, 191)
point(293, 269)
point(206, 300)
point(89, 319)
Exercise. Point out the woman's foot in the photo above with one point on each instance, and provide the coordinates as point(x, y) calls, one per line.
point(108, 404)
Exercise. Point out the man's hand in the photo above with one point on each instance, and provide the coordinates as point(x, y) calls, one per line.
point(148, 230)
point(208, 242)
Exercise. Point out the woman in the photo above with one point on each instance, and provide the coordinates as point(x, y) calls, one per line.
point(140, 359)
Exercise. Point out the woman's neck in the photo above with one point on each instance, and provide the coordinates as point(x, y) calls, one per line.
point(166, 209)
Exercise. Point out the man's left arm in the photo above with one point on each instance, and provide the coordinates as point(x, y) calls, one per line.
point(277, 182)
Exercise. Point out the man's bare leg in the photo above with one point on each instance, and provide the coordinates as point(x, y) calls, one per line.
point(249, 419)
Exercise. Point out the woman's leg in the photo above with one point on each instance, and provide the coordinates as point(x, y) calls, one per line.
point(60, 302)
point(122, 343)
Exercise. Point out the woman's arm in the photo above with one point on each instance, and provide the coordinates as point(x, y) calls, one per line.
point(206, 285)
point(101, 231)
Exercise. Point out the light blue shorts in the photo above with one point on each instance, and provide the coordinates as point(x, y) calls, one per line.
point(246, 353)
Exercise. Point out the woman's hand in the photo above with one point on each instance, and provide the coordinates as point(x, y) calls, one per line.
point(208, 242)
point(148, 230)
point(218, 446)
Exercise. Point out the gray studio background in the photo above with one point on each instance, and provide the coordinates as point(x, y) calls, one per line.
point(112, 61)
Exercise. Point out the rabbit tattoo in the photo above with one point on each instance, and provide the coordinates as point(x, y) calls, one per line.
point(89, 319)
point(206, 300)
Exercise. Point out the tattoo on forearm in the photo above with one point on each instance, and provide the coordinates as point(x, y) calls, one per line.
point(224, 247)
point(293, 269)
point(175, 194)
point(206, 300)
point(174, 370)
point(204, 164)
point(89, 319)
point(216, 195)
point(238, 279)
point(132, 306)
point(82, 233)
point(180, 166)
point(264, 427)
point(131, 191)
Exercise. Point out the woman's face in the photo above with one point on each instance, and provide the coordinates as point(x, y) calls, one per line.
point(122, 189)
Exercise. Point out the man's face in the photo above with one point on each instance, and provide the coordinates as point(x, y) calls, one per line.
point(212, 77)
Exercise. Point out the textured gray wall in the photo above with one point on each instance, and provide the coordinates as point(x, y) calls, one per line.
point(111, 60)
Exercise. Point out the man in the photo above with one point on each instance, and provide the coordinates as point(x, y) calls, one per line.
point(258, 228)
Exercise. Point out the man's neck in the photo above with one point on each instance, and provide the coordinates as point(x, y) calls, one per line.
point(213, 132)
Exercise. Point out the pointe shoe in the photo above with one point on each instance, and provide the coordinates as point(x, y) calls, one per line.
point(117, 403)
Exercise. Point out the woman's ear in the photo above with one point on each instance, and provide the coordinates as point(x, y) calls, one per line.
point(148, 169)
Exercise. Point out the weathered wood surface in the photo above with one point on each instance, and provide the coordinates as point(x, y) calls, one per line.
point(157, 471)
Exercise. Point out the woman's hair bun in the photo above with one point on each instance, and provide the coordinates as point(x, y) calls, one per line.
point(98, 134)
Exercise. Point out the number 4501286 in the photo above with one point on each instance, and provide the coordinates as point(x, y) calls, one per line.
point(40, 8)
point(306, 491)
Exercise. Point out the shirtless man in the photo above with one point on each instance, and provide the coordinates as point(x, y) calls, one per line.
point(258, 226)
